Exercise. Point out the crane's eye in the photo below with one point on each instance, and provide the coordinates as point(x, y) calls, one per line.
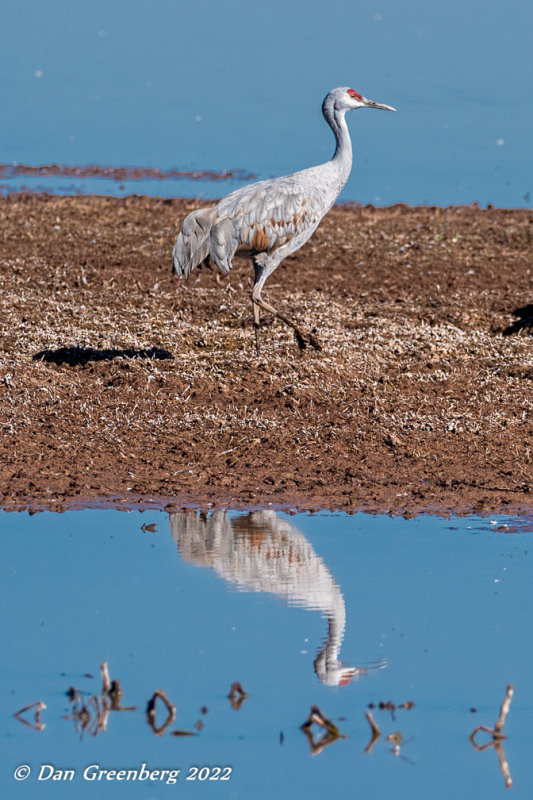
point(354, 94)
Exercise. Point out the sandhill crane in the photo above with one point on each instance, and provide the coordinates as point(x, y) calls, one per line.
point(272, 218)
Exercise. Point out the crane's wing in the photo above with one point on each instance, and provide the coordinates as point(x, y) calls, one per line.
point(264, 216)
point(269, 214)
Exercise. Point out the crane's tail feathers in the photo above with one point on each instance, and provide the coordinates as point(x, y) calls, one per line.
point(193, 242)
point(223, 244)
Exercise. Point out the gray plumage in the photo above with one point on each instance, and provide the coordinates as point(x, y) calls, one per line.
point(272, 218)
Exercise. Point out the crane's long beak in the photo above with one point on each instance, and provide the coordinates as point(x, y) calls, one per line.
point(372, 104)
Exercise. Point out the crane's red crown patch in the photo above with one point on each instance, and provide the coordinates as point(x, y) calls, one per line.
point(354, 94)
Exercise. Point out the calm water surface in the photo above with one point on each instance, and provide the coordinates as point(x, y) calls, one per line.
point(233, 84)
point(330, 610)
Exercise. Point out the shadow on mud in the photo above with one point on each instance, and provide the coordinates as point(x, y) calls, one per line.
point(525, 320)
point(79, 356)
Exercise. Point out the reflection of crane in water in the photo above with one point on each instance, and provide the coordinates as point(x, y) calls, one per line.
point(261, 552)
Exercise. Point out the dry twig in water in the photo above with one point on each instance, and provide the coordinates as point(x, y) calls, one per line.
point(332, 733)
point(37, 725)
point(150, 712)
point(237, 696)
point(376, 733)
point(497, 736)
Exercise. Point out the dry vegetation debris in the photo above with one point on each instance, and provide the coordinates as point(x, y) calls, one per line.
point(118, 380)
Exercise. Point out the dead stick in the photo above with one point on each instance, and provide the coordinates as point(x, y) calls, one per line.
point(106, 683)
point(504, 710)
point(504, 765)
point(376, 733)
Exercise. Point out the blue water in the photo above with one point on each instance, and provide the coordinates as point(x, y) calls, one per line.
point(228, 85)
point(428, 610)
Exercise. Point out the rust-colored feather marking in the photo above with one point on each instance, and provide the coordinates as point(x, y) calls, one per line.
point(260, 240)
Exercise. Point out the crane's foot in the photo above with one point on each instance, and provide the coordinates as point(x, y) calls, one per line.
point(308, 339)
point(313, 341)
point(302, 344)
point(257, 348)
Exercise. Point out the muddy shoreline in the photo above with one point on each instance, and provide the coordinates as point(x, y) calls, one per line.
point(122, 385)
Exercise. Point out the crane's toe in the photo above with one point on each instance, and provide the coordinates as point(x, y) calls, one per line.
point(302, 344)
point(307, 339)
point(313, 341)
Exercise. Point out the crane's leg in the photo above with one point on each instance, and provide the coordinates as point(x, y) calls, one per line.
point(262, 270)
point(256, 308)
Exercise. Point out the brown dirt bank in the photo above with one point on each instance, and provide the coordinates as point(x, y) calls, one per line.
point(117, 380)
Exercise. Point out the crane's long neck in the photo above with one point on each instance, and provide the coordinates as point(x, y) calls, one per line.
point(337, 121)
point(342, 158)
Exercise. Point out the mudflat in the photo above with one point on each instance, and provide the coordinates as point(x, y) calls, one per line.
point(119, 381)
